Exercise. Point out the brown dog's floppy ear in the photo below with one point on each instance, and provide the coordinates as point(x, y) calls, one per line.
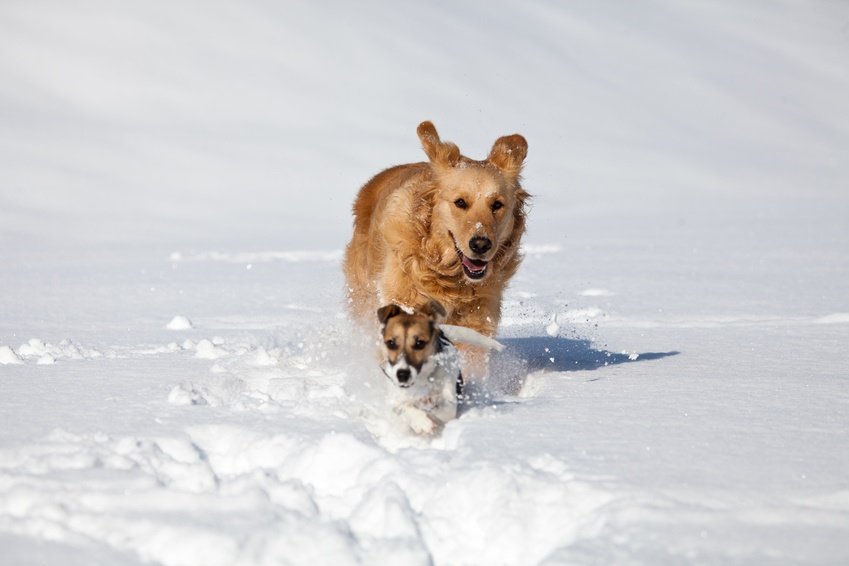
point(439, 152)
point(508, 153)
point(386, 312)
point(435, 311)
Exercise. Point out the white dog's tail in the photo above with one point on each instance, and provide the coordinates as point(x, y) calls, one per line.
point(465, 335)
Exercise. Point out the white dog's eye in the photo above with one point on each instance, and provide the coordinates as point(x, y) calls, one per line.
point(496, 205)
point(419, 344)
point(391, 344)
point(461, 203)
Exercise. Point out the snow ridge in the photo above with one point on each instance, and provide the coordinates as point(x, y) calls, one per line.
point(377, 497)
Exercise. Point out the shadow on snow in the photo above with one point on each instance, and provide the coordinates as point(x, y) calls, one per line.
point(564, 354)
point(508, 369)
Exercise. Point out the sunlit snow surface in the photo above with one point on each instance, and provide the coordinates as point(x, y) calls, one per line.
point(179, 383)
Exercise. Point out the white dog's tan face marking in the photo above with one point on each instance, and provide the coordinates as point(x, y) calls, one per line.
point(409, 340)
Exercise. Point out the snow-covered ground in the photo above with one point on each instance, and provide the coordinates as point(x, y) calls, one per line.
point(179, 383)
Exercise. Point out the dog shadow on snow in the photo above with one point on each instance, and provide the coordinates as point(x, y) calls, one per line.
point(525, 355)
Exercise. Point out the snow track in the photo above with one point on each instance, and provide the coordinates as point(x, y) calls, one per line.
point(281, 449)
point(235, 494)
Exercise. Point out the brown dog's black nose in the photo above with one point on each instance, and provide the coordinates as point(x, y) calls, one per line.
point(480, 245)
point(403, 375)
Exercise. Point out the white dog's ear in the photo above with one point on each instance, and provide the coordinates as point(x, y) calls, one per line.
point(508, 153)
point(386, 312)
point(435, 311)
point(439, 152)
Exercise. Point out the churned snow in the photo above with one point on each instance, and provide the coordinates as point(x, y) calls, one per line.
point(8, 356)
point(673, 384)
point(179, 323)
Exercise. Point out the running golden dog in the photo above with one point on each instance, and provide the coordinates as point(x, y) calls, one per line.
point(445, 230)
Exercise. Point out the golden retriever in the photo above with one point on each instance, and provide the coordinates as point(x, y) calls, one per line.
point(445, 230)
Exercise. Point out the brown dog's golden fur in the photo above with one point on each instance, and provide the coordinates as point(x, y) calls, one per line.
point(447, 229)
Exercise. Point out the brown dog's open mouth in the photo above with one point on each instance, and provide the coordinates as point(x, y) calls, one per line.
point(473, 268)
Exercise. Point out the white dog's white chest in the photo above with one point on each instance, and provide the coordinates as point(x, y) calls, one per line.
point(431, 400)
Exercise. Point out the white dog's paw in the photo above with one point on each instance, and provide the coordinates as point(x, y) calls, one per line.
point(419, 421)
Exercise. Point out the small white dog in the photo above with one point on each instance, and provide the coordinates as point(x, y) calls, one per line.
point(422, 364)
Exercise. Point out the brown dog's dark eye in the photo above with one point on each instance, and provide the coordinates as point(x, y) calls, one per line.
point(496, 205)
point(419, 344)
point(391, 345)
point(460, 203)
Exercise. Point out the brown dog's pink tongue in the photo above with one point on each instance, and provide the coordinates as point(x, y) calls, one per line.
point(474, 265)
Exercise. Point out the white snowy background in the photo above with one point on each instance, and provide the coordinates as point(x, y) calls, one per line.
point(676, 384)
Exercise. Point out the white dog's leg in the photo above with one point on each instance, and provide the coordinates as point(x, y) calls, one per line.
point(419, 421)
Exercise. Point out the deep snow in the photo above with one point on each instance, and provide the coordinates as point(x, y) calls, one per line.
point(178, 380)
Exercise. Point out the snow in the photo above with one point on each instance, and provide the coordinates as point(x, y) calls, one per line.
point(8, 356)
point(596, 293)
point(179, 323)
point(674, 381)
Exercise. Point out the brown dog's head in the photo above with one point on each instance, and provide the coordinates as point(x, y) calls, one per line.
point(409, 341)
point(478, 206)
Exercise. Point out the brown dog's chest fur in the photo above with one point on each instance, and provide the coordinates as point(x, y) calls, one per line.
point(411, 234)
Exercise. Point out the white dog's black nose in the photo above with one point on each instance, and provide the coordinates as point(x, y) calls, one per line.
point(480, 245)
point(403, 375)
